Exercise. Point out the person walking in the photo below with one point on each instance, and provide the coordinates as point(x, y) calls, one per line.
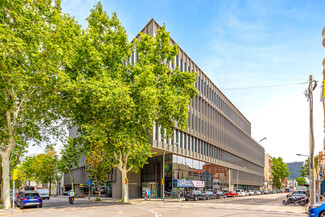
point(148, 194)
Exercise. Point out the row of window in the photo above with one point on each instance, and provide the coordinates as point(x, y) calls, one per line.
point(221, 104)
point(205, 90)
point(188, 142)
point(218, 129)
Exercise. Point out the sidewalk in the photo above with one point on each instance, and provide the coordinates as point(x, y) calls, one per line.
point(5, 212)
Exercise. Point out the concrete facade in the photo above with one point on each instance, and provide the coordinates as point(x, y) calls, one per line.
point(218, 135)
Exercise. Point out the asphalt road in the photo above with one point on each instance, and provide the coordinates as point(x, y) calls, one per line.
point(259, 206)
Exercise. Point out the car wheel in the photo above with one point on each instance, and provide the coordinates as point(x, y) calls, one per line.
point(322, 214)
point(195, 198)
point(41, 205)
point(21, 207)
point(186, 199)
point(285, 202)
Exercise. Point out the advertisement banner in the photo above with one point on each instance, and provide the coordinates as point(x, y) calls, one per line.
point(198, 184)
point(183, 183)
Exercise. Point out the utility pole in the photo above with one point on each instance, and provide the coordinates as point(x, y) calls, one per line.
point(323, 101)
point(323, 89)
point(309, 94)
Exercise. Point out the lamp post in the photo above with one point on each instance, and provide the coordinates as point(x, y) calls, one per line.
point(302, 155)
point(311, 178)
point(163, 181)
point(263, 139)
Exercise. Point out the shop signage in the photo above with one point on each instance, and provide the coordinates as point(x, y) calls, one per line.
point(198, 184)
point(182, 183)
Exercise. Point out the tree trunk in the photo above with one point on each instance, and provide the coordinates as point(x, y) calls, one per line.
point(50, 187)
point(99, 188)
point(5, 179)
point(125, 192)
point(0, 179)
point(72, 181)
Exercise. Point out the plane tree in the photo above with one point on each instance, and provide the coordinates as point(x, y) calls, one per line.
point(70, 155)
point(115, 102)
point(36, 46)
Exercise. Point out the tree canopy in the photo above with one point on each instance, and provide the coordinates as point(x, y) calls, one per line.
point(118, 100)
point(301, 181)
point(304, 172)
point(280, 172)
point(36, 45)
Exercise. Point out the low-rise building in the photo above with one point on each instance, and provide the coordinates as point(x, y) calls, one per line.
point(268, 177)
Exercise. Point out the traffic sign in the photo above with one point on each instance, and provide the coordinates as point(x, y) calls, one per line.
point(89, 182)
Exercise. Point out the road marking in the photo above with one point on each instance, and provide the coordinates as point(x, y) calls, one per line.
point(156, 213)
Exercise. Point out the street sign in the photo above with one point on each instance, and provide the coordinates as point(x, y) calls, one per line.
point(89, 182)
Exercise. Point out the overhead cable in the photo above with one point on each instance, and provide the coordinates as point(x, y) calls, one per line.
point(265, 86)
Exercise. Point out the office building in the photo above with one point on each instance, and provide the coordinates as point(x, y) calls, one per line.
point(215, 152)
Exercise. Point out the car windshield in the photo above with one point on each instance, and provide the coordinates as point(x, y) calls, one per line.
point(30, 195)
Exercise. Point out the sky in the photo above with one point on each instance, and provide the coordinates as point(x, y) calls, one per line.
point(245, 44)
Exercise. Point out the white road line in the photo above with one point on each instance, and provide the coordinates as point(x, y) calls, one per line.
point(156, 213)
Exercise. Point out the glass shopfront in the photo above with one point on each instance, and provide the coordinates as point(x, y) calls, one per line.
point(182, 174)
point(189, 174)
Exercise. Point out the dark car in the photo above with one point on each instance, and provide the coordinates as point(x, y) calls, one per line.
point(220, 194)
point(194, 195)
point(66, 192)
point(210, 195)
point(28, 198)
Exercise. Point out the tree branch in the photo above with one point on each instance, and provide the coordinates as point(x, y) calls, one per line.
point(19, 153)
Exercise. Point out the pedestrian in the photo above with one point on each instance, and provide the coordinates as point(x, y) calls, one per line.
point(148, 194)
point(178, 195)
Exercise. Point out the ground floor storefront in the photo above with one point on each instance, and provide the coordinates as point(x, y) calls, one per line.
point(181, 174)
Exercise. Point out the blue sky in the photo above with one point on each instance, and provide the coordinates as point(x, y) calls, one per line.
point(244, 44)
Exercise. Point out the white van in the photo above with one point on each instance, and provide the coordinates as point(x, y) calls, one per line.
point(44, 193)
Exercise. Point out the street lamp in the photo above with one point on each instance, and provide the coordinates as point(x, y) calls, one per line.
point(163, 183)
point(302, 155)
point(263, 139)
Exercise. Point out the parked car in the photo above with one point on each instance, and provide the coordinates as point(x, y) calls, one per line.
point(28, 198)
point(194, 195)
point(220, 194)
point(210, 195)
point(297, 193)
point(257, 192)
point(240, 192)
point(317, 210)
point(251, 193)
point(44, 193)
point(232, 194)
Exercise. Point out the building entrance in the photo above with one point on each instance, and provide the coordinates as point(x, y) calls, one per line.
point(152, 187)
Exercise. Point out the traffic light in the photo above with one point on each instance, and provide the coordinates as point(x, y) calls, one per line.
point(162, 181)
point(14, 174)
point(126, 181)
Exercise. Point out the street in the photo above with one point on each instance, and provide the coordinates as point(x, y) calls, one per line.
point(264, 205)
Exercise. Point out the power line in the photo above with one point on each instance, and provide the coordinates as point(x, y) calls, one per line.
point(265, 86)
